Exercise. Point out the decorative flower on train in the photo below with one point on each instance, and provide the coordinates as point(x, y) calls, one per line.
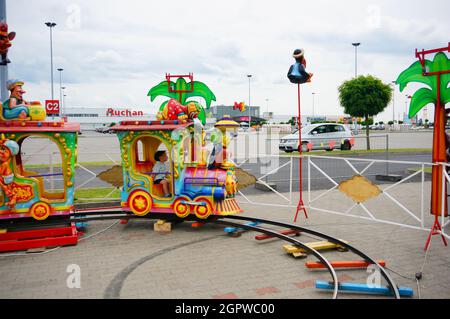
point(5, 42)
point(297, 73)
point(8, 149)
point(239, 106)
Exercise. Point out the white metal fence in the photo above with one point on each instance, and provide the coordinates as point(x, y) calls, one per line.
point(279, 175)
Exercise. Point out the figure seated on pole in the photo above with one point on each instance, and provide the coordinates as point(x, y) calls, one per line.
point(297, 73)
point(17, 108)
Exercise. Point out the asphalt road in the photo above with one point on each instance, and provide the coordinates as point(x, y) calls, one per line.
point(336, 168)
point(94, 147)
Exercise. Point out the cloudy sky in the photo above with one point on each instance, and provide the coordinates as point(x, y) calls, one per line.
point(114, 51)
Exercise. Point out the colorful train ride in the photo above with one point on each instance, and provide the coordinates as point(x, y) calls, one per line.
point(196, 188)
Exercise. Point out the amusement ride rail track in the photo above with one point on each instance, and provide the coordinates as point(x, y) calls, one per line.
point(96, 215)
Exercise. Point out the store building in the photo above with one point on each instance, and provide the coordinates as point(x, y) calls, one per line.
point(92, 118)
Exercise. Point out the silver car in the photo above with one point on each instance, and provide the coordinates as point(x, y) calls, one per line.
point(319, 137)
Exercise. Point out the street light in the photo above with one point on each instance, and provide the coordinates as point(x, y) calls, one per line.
point(249, 104)
point(62, 102)
point(51, 25)
point(393, 102)
point(60, 85)
point(406, 107)
point(356, 45)
point(313, 94)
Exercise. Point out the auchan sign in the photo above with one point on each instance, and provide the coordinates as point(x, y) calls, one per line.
point(124, 113)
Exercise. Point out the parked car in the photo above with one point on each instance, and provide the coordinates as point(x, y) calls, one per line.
point(102, 130)
point(318, 137)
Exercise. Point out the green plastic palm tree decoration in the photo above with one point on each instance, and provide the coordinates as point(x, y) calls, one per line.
point(426, 95)
point(200, 90)
point(421, 98)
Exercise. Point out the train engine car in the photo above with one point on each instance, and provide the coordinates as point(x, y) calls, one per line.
point(25, 189)
point(195, 188)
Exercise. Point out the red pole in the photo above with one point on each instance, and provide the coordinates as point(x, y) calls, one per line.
point(439, 156)
point(300, 206)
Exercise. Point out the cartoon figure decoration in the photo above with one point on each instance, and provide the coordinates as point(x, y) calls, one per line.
point(17, 108)
point(174, 110)
point(179, 93)
point(297, 73)
point(5, 42)
point(239, 106)
point(231, 183)
point(8, 149)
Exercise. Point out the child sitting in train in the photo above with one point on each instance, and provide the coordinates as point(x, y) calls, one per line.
point(162, 168)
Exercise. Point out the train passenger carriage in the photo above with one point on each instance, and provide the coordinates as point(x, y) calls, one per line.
point(25, 190)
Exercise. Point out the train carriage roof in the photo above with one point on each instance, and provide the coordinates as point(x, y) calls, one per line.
point(151, 125)
point(38, 127)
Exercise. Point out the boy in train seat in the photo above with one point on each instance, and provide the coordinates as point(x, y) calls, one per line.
point(162, 167)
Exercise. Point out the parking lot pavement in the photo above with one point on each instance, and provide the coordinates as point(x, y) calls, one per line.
point(133, 261)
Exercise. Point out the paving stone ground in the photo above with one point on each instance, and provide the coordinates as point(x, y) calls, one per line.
point(132, 261)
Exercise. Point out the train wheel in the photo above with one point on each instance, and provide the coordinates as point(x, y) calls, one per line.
point(181, 209)
point(140, 202)
point(40, 210)
point(203, 211)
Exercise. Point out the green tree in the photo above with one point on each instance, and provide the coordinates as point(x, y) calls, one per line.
point(199, 90)
point(364, 96)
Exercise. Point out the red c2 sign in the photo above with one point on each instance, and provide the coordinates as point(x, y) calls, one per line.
point(52, 106)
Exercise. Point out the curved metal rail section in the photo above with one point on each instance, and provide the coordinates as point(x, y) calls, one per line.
point(386, 276)
point(96, 215)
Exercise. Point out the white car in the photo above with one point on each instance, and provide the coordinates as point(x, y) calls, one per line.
point(319, 137)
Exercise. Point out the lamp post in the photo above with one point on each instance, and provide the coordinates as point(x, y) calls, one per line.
point(393, 102)
point(64, 99)
point(249, 104)
point(356, 45)
point(406, 107)
point(313, 94)
point(63, 88)
point(60, 87)
point(51, 25)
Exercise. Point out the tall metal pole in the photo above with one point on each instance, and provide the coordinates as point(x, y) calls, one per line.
point(249, 104)
point(63, 105)
point(3, 68)
point(51, 59)
point(60, 88)
point(313, 94)
point(51, 25)
point(356, 45)
point(393, 103)
point(300, 205)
